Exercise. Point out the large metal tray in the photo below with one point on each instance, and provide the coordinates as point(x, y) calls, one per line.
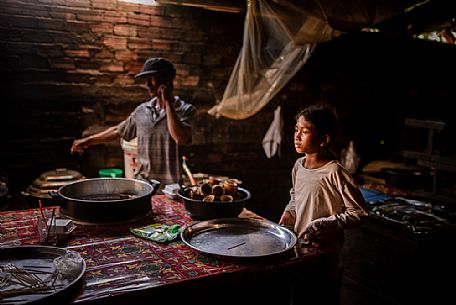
point(39, 261)
point(238, 237)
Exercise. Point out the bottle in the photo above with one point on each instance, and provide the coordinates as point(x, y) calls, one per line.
point(187, 170)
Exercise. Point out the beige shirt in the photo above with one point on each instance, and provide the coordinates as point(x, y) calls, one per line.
point(328, 195)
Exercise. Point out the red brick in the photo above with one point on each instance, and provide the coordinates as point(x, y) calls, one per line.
point(137, 19)
point(133, 66)
point(115, 17)
point(143, 9)
point(62, 63)
point(136, 44)
point(62, 15)
point(77, 26)
point(101, 28)
point(125, 55)
point(172, 34)
point(77, 53)
point(112, 67)
point(125, 30)
point(148, 32)
point(79, 76)
point(162, 45)
point(163, 22)
point(103, 54)
point(87, 65)
point(103, 79)
point(115, 42)
point(124, 79)
point(191, 81)
point(76, 3)
point(130, 7)
point(104, 4)
point(54, 2)
point(88, 16)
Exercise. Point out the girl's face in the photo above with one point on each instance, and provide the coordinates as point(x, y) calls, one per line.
point(306, 138)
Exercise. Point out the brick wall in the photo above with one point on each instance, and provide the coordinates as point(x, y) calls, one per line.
point(69, 66)
point(67, 70)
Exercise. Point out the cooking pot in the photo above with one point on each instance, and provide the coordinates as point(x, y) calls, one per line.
point(104, 201)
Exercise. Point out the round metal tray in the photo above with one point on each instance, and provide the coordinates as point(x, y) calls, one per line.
point(238, 237)
point(38, 261)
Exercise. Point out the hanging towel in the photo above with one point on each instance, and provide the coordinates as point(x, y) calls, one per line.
point(273, 137)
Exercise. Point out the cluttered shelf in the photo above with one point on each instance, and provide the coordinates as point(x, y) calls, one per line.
point(402, 254)
point(396, 193)
point(409, 213)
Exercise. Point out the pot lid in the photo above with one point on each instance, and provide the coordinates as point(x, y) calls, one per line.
point(60, 174)
point(53, 180)
point(37, 192)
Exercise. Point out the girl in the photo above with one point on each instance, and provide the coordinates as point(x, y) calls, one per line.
point(324, 198)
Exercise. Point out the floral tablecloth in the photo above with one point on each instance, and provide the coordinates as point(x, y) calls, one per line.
point(119, 262)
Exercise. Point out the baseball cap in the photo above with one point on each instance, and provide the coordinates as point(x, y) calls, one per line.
point(156, 65)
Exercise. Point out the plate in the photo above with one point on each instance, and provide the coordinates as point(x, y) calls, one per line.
point(238, 237)
point(38, 262)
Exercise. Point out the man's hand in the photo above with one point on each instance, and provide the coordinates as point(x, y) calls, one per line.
point(163, 96)
point(78, 146)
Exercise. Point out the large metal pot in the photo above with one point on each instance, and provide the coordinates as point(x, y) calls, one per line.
point(106, 200)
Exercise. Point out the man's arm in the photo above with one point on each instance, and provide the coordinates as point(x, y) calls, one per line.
point(106, 135)
point(178, 131)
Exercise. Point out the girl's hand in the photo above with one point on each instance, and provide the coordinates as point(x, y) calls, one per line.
point(287, 219)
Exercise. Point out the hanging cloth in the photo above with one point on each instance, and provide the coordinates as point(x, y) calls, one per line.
point(279, 37)
point(273, 138)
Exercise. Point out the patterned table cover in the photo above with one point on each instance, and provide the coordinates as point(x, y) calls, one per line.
point(119, 262)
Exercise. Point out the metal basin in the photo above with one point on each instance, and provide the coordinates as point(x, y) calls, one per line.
point(107, 200)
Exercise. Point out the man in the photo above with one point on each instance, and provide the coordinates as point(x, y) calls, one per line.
point(161, 125)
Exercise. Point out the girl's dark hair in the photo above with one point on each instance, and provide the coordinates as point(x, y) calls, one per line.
point(326, 122)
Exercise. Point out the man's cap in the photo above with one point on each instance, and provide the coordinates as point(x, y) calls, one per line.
point(157, 65)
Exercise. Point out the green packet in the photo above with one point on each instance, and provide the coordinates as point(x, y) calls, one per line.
point(157, 232)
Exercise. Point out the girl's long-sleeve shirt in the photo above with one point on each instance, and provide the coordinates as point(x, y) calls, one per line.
point(327, 199)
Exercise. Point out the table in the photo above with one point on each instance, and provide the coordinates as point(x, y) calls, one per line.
point(123, 268)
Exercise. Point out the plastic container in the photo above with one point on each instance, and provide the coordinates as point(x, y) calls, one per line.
point(130, 149)
point(111, 173)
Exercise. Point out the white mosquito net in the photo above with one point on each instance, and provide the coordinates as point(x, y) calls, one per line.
point(279, 38)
